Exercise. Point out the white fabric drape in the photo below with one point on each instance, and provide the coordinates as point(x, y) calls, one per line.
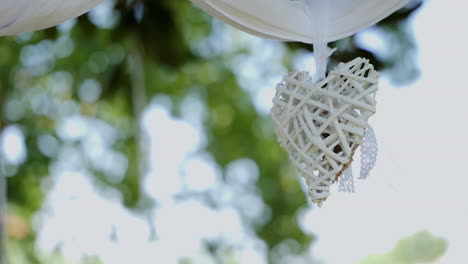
point(289, 19)
point(17, 16)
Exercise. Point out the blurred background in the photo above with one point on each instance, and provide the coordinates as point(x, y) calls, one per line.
point(139, 133)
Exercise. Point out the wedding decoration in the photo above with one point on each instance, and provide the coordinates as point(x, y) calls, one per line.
point(18, 16)
point(320, 121)
point(321, 124)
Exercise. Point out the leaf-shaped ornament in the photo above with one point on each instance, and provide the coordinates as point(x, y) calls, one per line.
point(295, 20)
point(17, 16)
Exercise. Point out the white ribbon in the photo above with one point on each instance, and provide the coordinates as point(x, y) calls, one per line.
point(319, 16)
point(369, 151)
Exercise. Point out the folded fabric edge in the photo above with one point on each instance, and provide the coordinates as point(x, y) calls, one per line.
point(28, 19)
point(253, 26)
point(261, 29)
point(213, 12)
point(370, 23)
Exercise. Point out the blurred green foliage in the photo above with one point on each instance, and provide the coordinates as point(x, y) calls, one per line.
point(140, 50)
point(421, 247)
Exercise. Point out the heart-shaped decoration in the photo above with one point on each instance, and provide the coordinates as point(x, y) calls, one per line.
point(321, 124)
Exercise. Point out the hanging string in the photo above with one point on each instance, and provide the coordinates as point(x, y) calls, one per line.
point(322, 53)
point(318, 11)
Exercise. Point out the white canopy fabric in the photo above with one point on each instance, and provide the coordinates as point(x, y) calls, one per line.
point(18, 16)
point(300, 20)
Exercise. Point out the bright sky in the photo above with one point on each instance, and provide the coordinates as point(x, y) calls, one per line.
point(419, 181)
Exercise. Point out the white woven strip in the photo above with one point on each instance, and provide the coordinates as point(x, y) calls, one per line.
point(369, 149)
point(321, 125)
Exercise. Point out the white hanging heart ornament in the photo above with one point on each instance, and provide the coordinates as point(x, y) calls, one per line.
point(321, 124)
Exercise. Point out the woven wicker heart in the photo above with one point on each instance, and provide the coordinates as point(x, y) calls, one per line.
point(321, 124)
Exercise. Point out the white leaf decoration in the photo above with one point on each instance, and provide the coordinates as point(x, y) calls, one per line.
point(18, 16)
point(290, 20)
